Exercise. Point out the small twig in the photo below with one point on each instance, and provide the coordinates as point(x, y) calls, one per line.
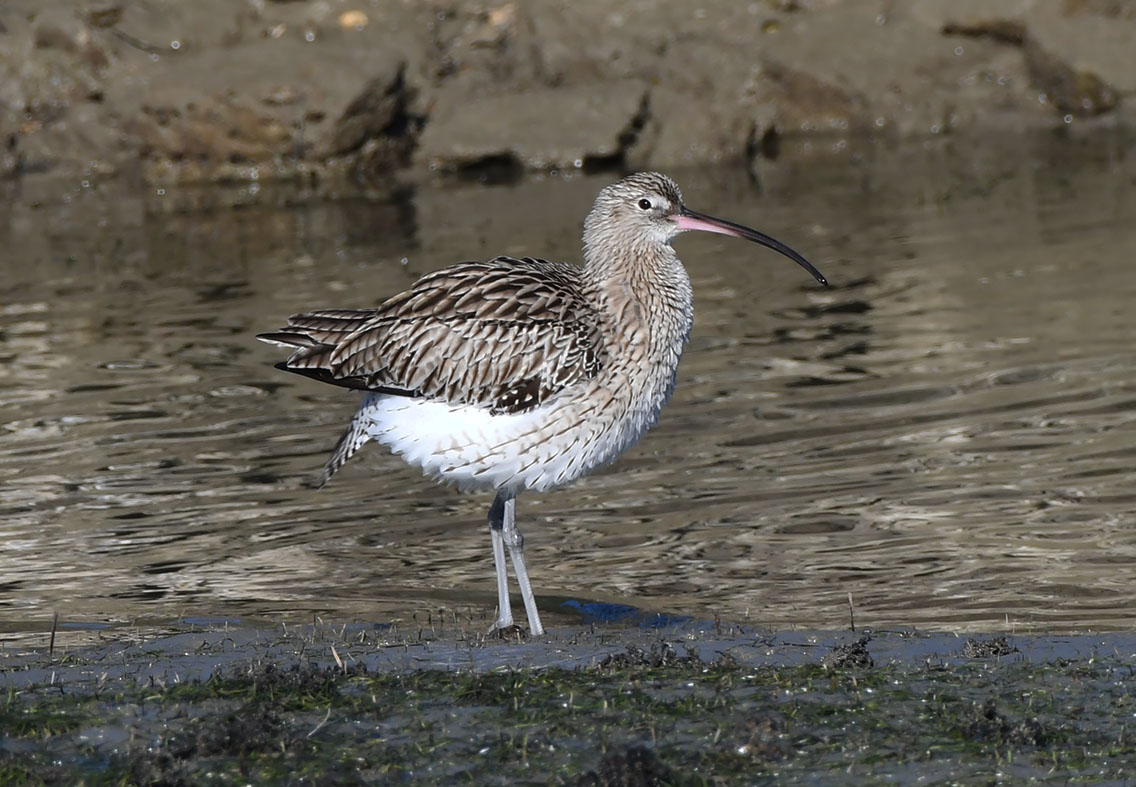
point(299, 149)
point(54, 628)
point(316, 728)
point(137, 43)
point(851, 613)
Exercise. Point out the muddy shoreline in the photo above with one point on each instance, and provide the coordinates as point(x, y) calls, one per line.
point(216, 91)
point(200, 652)
point(581, 705)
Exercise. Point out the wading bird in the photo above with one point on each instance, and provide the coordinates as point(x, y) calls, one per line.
point(521, 374)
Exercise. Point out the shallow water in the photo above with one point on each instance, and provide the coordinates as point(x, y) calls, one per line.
point(947, 434)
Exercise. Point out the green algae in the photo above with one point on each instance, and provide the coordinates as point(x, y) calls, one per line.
point(636, 717)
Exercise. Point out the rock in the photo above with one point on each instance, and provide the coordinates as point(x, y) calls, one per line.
point(1006, 31)
point(10, 161)
point(630, 766)
point(802, 102)
point(214, 129)
point(538, 130)
point(1112, 9)
point(60, 31)
point(49, 86)
point(851, 655)
point(675, 136)
point(993, 647)
point(485, 47)
point(701, 115)
point(1089, 43)
point(1077, 93)
point(759, 737)
point(215, 89)
point(902, 78)
point(288, 112)
point(1081, 49)
point(379, 112)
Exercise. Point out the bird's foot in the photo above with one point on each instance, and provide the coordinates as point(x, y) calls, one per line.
point(511, 632)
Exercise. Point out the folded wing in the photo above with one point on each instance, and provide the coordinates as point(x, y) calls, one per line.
point(506, 334)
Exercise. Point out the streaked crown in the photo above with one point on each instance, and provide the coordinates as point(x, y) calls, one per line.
point(632, 212)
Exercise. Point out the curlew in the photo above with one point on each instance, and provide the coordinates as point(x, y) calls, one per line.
point(521, 374)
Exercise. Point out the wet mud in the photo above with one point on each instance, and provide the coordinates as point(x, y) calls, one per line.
point(592, 705)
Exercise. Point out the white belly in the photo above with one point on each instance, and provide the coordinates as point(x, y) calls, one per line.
point(543, 449)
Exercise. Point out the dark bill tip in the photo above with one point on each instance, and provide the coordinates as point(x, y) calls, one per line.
point(687, 219)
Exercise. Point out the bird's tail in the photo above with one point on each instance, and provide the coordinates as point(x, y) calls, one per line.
point(314, 337)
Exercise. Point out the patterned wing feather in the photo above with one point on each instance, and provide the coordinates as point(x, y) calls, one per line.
point(505, 334)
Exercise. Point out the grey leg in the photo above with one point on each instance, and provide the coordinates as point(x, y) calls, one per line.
point(496, 522)
point(515, 543)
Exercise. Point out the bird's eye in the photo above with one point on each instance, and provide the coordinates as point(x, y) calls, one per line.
point(644, 204)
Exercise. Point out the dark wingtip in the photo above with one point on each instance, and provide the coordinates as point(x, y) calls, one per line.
point(286, 338)
point(353, 382)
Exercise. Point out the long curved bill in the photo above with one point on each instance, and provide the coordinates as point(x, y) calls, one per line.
point(687, 219)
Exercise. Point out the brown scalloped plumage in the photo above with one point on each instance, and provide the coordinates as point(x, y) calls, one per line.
point(431, 340)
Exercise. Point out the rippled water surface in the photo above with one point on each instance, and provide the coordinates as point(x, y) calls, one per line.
point(947, 434)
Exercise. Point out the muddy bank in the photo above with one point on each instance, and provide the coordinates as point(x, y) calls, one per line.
point(691, 705)
point(459, 643)
point(217, 90)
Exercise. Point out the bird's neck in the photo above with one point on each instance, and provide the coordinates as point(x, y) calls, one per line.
point(630, 262)
point(642, 289)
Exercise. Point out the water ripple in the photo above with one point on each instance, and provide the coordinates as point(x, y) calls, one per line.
point(947, 434)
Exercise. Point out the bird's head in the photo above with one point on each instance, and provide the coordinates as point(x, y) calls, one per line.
point(647, 208)
point(638, 208)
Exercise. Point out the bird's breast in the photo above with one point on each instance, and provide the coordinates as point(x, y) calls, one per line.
point(645, 337)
